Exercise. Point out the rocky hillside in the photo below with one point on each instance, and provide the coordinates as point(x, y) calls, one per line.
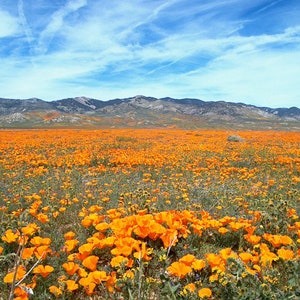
point(141, 111)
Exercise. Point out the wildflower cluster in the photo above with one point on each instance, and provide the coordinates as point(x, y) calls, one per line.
point(149, 214)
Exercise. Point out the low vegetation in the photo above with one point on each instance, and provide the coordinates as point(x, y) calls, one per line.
point(149, 214)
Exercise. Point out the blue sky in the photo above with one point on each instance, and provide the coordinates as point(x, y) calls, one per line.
point(232, 50)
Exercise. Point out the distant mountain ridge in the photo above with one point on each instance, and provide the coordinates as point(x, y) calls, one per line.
point(142, 111)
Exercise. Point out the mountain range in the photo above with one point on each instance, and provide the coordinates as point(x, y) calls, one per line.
point(146, 112)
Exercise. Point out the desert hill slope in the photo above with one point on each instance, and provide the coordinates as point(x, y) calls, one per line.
point(142, 111)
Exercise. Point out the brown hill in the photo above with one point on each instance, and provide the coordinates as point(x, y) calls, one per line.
point(141, 111)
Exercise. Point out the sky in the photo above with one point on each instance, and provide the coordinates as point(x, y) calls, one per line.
point(231, 50)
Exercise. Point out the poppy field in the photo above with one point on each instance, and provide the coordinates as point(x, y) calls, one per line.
point(149, 214)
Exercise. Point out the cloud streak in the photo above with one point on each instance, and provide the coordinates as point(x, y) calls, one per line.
point(56, 23)
point(24, 22)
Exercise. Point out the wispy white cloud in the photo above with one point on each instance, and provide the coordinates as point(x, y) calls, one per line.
point(56, 23)
point(24, 22)
point(108, 49)
point(269, 5)
point(9, 25)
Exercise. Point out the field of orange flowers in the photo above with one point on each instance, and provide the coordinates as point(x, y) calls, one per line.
point(149, 214)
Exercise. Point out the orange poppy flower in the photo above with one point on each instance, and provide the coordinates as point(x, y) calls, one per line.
point(55, 290)
point(1, 250)
point(250, 229)
point(99, 276)
point(156, 231)
point(169, 238)
point(21, 293)
point(69, 235)
point(227, 253)
point(95, 208)
point(214, 277)
point(42, 218)
point(285, 254)
point(102, 226)
point(122, 250)
point(62, 209)
point(30, 229)
point(37, 241)
point(40, 252)
point(286, 240)
point(245, 257)
point(235, 226)
point(88, 284)
point(70, 267)
point(266, 256)
point(82, 272)
point(179, 269)
point(44, 271)
point(143, 252)
point(71, 285)
point(125, 246)
point(198, 228)
point(27, 252)
point(93, 279)
point(95, 240)
point(187, 259)
point(118, 260)
point(122, 227)
point(205, 292)
point(251, 271)
point(21, 271)
point(85, 250)
point(216, 261)
point(198, 264)
point(23, 239)
point(10, 236)
point(190, 287)
point(55, 214)
point(99, 236)
point(223, 230)
point(252, 238)
point(70, 245)
point(277, 240)
point(111, 282)
point(92, 219)
point(90, 262)
point(107, 242)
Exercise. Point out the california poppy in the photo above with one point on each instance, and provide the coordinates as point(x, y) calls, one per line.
point(70, 245)
point(205, 292)
point(71, 285)
point(55, 290)
point(27, 252)
point(70, 267)
point(118, 260)
point(285, 254)
point(187, 259)
point(198, 264)
point(21, 271)
point(90, 262)
point(245, 257)
point(10, 236)
point(44, 271)
point(179, 269)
